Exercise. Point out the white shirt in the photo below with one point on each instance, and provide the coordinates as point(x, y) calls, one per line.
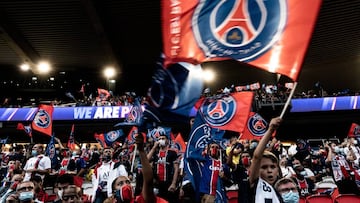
point(44, 163)
point(264, 191)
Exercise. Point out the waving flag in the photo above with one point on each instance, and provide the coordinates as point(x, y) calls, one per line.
point(270, 35)
point(4, 141)
point(173, 92)
point(200, 136)
point(354, 130)
point(103, 94)
point(43, 119)
point(256, 127)
point(100, 139)
point(178, 144)
point(26, 128)
point(111, 136)
point(71, 142)
point(134, 117)
point(227, 111)
point(131, 136)
point(51, 152)
point(156, 132)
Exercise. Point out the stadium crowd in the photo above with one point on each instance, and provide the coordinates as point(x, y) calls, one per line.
point(249, 171)
point(265, 170)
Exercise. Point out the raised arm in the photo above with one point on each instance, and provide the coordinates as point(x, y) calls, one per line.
point(259, 150)
point(147, 186)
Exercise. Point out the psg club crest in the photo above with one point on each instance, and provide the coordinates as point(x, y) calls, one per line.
point(218, 111)
point(112, 136)
point(240, 29)
point(42, 119)
point(257, 125)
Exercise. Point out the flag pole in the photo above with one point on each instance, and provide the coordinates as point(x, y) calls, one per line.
point(133, 160)
point(288, 100)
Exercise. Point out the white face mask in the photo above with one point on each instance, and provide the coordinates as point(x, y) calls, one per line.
point(162, 143)
point(60, 193)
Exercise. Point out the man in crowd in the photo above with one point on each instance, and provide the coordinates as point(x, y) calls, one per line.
point(288, 190)
point(38, 164)
point(105, 173)
point(166, 168)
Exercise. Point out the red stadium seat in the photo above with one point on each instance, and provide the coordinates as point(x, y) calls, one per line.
point(347, 198)
point(319, 199)
point(302, 200)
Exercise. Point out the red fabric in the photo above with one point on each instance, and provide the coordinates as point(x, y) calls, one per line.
point(78, 181)
point(43, 119)
point(255, 127)
point(100, 139)
point(236, 122)
point(284, 57)
point(179, 141)
point(140, 199)
point(161, 166)
point(71, 141)
point(354, 130)
point(27, 129)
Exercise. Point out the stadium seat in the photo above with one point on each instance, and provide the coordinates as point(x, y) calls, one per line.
point(347, 198)
point(302, 200)
point(319, 199)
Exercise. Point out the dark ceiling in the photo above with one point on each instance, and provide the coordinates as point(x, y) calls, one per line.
point(80, 37)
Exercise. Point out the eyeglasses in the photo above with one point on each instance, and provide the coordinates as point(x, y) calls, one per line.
point(69, 197)
point(26, 188)
point(285, 190)
point(212, 147)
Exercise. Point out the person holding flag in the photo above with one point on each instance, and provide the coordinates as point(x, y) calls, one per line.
point(265, 169)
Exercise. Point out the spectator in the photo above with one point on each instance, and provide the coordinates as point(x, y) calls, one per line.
point(286, 170)
point(166, 168)
point(105, 173)
point(240, 174)
point(264, 169)
point(61, 183)
point(340, 170)
point(304, 178)
point(147, 193)
point(40, 193)
point(25, 193)
point(72, 194)
point(38, 164)
point(122, 191)
point(288, 190)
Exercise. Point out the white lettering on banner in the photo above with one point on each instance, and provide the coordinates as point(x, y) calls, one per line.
point(124, 111)
point(82, 113)
point(175, 27)
point(107, 112)
point(101, 112)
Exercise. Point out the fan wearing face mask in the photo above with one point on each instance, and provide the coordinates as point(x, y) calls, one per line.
point(25, 193)
point(166, 168)
point(288, 190)
point(104, 174)
point(341, 170)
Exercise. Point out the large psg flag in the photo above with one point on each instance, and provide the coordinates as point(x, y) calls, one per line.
point(271, 35)
point(43, 119)
point(227, 111)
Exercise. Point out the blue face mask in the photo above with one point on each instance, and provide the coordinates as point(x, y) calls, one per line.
point(34, 153)
point(290, 197)
point(26, 196)
point(253, 145)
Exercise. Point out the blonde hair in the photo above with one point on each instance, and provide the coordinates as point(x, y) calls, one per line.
point(273, 158)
